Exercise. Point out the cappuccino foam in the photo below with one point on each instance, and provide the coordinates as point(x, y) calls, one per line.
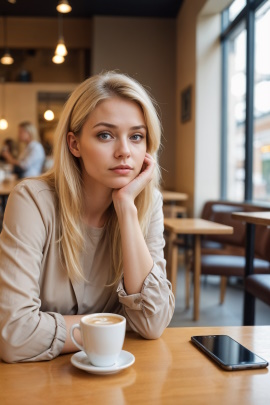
point(103, 320)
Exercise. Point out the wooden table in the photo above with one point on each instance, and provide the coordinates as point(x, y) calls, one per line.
point(196, 227)
point(167, 371)
point(173, 196)
point(251, 219)
point(171, 208)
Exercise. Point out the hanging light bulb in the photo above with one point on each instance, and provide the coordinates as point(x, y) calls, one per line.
point(61, 49)
point(49, 115)
point(3, 124)
point(58, 59)
point(63, 7)
point(6, 58)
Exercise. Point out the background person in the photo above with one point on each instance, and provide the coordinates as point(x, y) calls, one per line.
point(30, 161)
point(87, 236)
point(9, 145)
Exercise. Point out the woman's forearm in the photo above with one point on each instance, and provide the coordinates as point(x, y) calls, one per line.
point(137, 261)
point(69, 346)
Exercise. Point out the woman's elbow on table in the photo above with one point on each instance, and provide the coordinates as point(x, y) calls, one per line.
point(8, 353)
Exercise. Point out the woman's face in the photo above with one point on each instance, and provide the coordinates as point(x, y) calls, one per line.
point(112, 143)
point(23, 135)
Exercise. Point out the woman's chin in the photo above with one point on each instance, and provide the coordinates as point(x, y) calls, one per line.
point(120, 183)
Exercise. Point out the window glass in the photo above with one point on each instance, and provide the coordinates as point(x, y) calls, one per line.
point(236, 115)
point(261, 139)
point(235, 8)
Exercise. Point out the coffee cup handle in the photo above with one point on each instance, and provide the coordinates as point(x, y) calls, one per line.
point(73, 327)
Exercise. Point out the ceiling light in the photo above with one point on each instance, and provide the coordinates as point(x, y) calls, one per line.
point(12, 1)
point(49, 115)
point(63, 7)
point(58, 59)
point(7, 59)
point(61, 49)
point(3, 124)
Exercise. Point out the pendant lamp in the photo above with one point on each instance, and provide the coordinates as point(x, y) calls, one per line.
point(6, 58)
point(63, 7)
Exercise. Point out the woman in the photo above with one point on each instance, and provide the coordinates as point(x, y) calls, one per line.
point(30, 161)
point(87, 236)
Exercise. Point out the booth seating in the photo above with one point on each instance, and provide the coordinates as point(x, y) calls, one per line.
point(224, 255)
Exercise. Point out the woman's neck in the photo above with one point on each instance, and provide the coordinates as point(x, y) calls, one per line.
point(97, 200)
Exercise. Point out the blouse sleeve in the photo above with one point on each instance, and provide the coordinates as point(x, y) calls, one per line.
point(150, 311)
point(26, 333)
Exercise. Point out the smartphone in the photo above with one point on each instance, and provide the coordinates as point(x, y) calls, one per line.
point(228, 353)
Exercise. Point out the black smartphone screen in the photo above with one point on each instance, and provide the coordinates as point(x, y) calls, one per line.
point(228, 352)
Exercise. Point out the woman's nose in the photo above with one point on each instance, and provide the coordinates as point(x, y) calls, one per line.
point(122, 149)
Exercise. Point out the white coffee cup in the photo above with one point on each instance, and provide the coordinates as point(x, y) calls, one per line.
point(103, 337)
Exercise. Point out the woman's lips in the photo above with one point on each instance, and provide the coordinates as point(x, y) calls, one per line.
point(122, 169)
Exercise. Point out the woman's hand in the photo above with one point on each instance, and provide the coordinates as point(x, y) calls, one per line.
point(133, 189)
point(137, 260)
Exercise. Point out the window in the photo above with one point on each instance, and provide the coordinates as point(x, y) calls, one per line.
point(261, 139)
point(235, 8)
point(236, 115)
point(246, 101)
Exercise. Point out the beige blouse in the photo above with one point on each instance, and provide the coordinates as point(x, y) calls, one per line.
point(35, 291)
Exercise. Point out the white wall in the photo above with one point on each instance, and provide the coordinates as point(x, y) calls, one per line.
point(144, 48)
point(208, 111)
point(199, 65)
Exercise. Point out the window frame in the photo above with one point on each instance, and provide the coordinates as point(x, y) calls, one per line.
point(246, 17)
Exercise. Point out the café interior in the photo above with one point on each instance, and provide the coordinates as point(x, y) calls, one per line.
point(207, 64)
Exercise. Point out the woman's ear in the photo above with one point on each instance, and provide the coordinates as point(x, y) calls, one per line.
point(73, 144)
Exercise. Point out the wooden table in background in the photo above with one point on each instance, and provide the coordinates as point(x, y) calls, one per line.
point(173, 196)
point(171, 208)
point(167, 371)
point(196, 227)
point(251, 219)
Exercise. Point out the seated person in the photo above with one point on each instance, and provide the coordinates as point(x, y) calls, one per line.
point(30, 161)
point(87, 236)
point(9, 145)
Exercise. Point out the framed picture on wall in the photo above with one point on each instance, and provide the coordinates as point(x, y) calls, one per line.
point(186, 104)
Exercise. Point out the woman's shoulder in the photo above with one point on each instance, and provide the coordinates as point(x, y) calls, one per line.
point(37, 190)
point(34, 185)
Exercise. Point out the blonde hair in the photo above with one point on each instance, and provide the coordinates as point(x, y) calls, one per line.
point(30, 129)
point(66, 178)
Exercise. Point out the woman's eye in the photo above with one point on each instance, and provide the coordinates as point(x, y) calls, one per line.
point(136, 137)
point(104, 136)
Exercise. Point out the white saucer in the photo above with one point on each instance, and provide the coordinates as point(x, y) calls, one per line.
point(81, 361)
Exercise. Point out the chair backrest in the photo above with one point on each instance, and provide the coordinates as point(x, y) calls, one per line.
point(262, 242)
point(220, 211)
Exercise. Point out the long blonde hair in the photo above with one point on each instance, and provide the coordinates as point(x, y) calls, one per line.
point(65, 176)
